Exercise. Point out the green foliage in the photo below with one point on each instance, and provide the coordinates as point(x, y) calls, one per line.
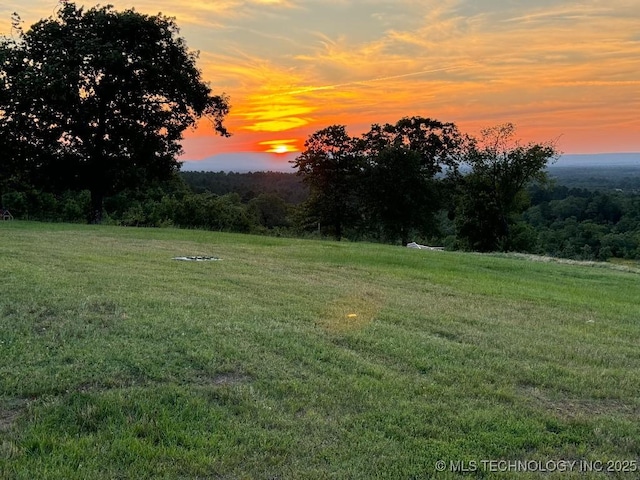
point(493, 194)
point(287, 186)
point(399, 197)
point(212, 212)
point(381, 184)
point(560, 222)
point(439, 145)
point(588, 225)
point(400, 191)
point(269, 211)
point(37, 205)
point(601, 176)
point(331, 166)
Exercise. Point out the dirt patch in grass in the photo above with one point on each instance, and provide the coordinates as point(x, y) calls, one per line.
point(566, 407)
point(74, 321)
point(220, 379)
point(229, 378)
point(10, 411)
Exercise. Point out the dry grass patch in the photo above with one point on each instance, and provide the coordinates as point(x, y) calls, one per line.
point(10, 411)
point(567, 407)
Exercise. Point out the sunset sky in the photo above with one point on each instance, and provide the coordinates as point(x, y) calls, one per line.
point(563, 70)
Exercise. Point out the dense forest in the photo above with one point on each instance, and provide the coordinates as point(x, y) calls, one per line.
point(621, 178)
point(587, 212)
point(287, 186)
point(586, 216)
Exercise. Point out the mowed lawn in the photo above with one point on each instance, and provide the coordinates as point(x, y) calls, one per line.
point(294, 358)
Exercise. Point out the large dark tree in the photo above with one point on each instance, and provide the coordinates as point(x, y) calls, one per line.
point(383, 181)
point(399, 197)
point(493, 193)
point(331, 165)
point(403, 160)
point(439, 144)
point(99, 100)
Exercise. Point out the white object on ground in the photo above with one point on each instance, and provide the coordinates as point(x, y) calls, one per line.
point(423, 247)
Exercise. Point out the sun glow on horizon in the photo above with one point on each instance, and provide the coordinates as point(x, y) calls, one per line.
point(280, 146)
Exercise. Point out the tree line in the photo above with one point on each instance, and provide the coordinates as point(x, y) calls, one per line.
point(576, 223)
point(172, 203)
point(419, 179)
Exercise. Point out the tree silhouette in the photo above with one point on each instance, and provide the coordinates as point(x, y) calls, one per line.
point(331, 166)
point(100, 99)
point(494, 190)
point(402, 161)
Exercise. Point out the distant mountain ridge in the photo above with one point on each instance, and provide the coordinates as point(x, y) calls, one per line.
point(245, 162)
point(242, 162)
point(596, 160)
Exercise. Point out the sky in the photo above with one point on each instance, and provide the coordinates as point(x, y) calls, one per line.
point(563, 71)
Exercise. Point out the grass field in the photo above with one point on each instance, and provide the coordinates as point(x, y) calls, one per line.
point(307, 359)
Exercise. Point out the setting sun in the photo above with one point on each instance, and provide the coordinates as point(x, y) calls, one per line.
point(280, 146)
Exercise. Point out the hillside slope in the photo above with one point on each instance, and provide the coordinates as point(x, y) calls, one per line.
point(287, 358)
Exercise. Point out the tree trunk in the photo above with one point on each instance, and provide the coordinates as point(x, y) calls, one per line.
point(338, 225)
point(95, 215)
point(404, 234)
point(98, 166)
